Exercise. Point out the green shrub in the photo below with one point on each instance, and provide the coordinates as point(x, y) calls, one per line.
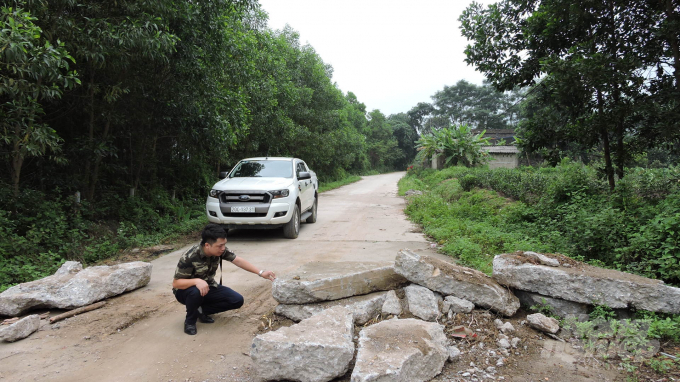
point(566, 209)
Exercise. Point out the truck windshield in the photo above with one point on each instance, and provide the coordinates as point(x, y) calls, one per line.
point(263, 169)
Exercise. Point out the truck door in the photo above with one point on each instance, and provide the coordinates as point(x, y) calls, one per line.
point(306, 188)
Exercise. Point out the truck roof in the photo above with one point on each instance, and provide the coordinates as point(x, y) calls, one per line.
point(270, 158)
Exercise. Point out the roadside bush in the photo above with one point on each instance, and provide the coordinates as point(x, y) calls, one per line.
point(38, 231)
point(475, 213)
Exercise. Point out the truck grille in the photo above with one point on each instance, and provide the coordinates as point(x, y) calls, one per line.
point(252, 198)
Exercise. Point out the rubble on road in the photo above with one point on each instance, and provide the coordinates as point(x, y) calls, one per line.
point(540, 322)
point(583, 283)
point(72, 287)
point(364, 308)
point(453, 280)
point(20, 329)
point(327, 281)
point(400, 350)
point(317, 349)
point(422, 302)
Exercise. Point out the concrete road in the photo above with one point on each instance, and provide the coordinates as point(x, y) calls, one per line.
point(139, 336)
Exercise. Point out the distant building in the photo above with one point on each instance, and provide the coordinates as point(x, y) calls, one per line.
point(503, 156)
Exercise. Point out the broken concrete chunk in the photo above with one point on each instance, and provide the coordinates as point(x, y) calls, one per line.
point(586, 284)
point(503, 343)
point(317, 349)
point(326, 281)
point(454, 353)
point(364, 308)
point(400, 350)
point(543, 259)
point(392, 305)
point(545, 324)
point(422, 302)
point(558, 307)
point(71, 287)
point(454, 280)
point(457, 305)
point(20, 329)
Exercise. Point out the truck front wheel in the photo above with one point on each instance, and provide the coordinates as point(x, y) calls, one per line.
point(292, 228)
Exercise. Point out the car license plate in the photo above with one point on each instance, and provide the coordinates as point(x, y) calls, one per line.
point(242, 209)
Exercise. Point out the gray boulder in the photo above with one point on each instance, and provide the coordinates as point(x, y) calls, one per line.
point(72, 287)
point(392, 305)
point(422, 302)
point(317, 349)
point(326, 281)
point(364, 308)
point(457, 305)
point(407, 350)
point(20, 329)
point(545, 324)
point(454, 280)
point(586, 284)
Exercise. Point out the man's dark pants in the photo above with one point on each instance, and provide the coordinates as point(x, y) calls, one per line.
point(218, 299)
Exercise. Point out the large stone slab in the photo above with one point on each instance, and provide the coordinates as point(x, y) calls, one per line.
point(326, 281)
point(558, 307)
point(317, 349)
point(72, 287)
point(20, 329)
point(579, 282)
point(422, 302)
point(407, 350)
point(454, 280)
point(364, 308)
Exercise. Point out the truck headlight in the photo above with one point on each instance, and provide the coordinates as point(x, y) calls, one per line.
point(215, 193)
point(279, 193)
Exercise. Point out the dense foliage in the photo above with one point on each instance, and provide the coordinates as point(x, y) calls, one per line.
point(138, 105)
point(479, 107)
point(603, 75)
point(476, 213)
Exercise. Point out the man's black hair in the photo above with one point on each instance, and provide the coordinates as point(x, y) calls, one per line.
point(211, 233)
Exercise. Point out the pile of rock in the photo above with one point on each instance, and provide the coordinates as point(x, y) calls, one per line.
point(399, 306)
point(324, 297)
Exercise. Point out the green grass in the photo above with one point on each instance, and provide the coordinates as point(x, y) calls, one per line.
point(339, 183)
point(474, 214)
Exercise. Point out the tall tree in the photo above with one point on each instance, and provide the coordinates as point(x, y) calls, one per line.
point(596, 54)
point(32, 71)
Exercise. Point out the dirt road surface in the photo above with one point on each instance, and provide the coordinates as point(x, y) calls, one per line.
point(139, 336)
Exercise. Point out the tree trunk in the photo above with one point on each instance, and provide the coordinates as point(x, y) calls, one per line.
point(90, 134)
point(673, 42)
point(98, 160)
point(604, 134)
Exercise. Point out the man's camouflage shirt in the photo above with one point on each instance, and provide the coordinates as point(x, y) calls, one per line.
point(195, 264)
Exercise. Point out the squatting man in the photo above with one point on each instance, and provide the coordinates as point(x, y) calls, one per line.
point(194, 283)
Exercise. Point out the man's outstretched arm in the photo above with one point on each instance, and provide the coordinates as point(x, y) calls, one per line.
point(246, 265)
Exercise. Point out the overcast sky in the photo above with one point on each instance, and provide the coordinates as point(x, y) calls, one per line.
point(391, 53)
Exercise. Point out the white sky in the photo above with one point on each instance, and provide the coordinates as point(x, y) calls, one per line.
point(391, 53)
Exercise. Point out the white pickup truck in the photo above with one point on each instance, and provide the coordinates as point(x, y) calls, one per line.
point(265, 193)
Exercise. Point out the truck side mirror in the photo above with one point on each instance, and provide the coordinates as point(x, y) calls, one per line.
point(304, 175)
point(223, 174)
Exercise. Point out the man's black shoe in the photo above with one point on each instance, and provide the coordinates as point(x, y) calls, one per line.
point(204, 318)
point(190, 329)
